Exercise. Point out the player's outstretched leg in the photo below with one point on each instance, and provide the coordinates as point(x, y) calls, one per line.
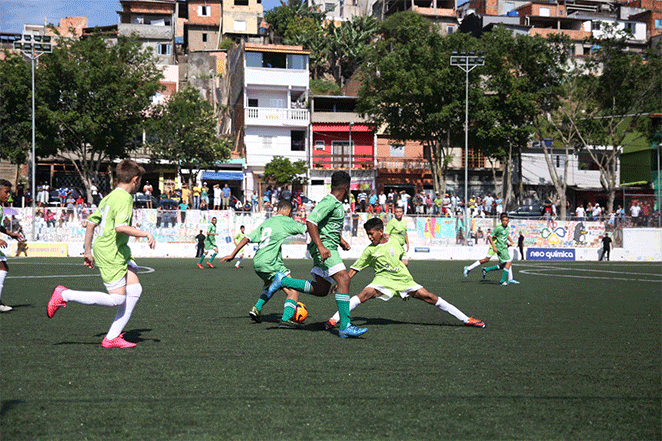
point(256, 311)
point(276, 284)
point(438, 302)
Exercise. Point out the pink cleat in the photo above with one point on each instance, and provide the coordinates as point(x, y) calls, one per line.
point(56, 301)
point(330, 323)
point(117, 342)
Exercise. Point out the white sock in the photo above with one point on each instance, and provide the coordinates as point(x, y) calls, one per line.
point(125, 310)
point(353, 303)
point(452, 310)
point(92, 298)
point(476, 264)
point(3, 274)
point(239, 262)
point(510, 273)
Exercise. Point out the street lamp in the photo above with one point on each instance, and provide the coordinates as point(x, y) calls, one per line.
point(467, 61)
point(33, 47)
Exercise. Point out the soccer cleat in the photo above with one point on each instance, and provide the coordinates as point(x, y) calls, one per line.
point(254, 314)
point(5, 308)
point(56, 301)
point(200, 266)
point(475, 322)
point(289, 324)
point(504, 283)
point(352, 331)
point(513, 282)
point(466, 271)
point(276, 284)
point(484, 272)
point(330, 323)
point(117, 342)
point(210, 265)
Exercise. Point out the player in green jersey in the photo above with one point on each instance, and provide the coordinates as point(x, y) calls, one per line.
point(237, 238)
point(5, 192)
point(325, 224)
point(113, 256)
point(384, 255)
point(500, 241)
point(268, 259)
point(210, 245)
point(397, 228)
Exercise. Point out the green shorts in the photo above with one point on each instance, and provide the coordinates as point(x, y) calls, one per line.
point(268, 277)
point(504, 255)
point(114, 275)
point(210, 246)
point(329, 267)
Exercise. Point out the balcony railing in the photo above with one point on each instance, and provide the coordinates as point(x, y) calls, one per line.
point(406, 164)
point(339, 161)
point(275, 116)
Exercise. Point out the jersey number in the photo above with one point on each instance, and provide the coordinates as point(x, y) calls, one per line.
point(266, 237)
point(104, 218)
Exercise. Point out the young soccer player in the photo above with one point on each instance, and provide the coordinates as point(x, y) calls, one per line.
point(210, 245)
point(113, 256)
point(500, 241)
point(490, 253)
point(384, 255)
point(324, 225)
point(268, 259)
point(5, 192)
point(237, 238)
point(397, 228)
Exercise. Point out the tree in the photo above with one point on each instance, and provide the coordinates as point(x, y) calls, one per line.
point(95, 97)
point(184, 131)
point(348, 45)
point(281, 171)
point(408, 86)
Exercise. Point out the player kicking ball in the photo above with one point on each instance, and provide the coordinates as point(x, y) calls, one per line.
point(210, 245)
point(268, 259)
point(113, 256)
point(384, 256)
point(5, 190)
point(500, 241)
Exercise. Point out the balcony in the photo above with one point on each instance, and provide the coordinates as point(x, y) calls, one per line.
point(340, 161)
point(153, 32)
point(268, 116)
point(575, 35)
point(396, 164)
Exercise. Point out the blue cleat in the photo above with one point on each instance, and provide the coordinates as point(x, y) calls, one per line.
point(513, 282)
point(352, 331)
point(466, 271)
point(276, 284)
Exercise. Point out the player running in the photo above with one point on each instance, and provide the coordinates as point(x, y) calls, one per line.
point(397, 228)
point(500, 241)
point(384, 256)
point(210, 245)
point(268, 259)
point(237, 238)
point(325, 224)
point(113, 256)
point(5, 191)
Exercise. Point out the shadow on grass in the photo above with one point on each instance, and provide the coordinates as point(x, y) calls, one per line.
point(8, 405)
point(24, 305)
point(133, 336)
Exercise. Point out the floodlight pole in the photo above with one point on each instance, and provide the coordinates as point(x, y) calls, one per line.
point(659, 192)
point(467, 62)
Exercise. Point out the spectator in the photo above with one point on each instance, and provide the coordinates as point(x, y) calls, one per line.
point(428, 203)
point(352, 202)
point(286, 194)
point(390, 202)
point(446, 205)
point(226, 197)
point(196, 196)
point(183, 206)
point(203, 205)
point(200, 249)
point(597, 211)
point(372, 200)
point(404, 201)
point(488, 204)
point(254, 202)
point(217, 196)
point(148, 190)
point(71, 205)
point(204, 194)
point(645, 212)
point(62, 219)
point(43, 194)
point(382, 201)
point(62, 193)
point(499, 205)
point(362, 200)
point(419, 203)
point(635, 212)
point(606, 247)
point(186, 195)
point(547, 205)
point(580, 213)
point(94, 191)
point(49, 217)
point(438, 204)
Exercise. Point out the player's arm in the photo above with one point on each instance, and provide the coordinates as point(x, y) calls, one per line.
point(352, 272)
point(314, 233)
point(9, 233)
point(238, 248)
point(489, 237)
point(88, 257)
point(344, 245)
point(133, 231)
point(407, 240)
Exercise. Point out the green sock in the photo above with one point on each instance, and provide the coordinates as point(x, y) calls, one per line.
point(298, 284)
point(288, 309)
point(202, 259)
point(505, 276)
point(343, 309)
point(491, 268)
point(261, 301)
point(212, 257)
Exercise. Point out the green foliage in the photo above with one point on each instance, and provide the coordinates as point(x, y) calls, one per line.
point(281, 16)
point(324, 87)
point(226, 43)
point(281, 171)
point(184, 131)
point(15, 108)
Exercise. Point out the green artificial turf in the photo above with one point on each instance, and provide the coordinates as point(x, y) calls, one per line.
point(573, 352)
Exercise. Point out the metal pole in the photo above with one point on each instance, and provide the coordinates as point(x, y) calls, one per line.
point(34, 170)
point(659, 217)
point(466, 153)
point(351, 150)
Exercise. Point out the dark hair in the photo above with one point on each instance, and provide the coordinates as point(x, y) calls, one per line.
point(5, 183)
point(284, 204)
point(127, 170)
point(502, 215)
point(340, 178)
point(374, 223)
point(241, 227)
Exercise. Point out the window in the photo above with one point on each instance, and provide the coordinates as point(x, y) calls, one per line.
point(252, 102)
point(341, 153)
point(267, 141)
point(267, 59)
point(544, 12)
point(328, 7)
point(320, 145)
point(163, 49)
point(241, 2)
point(204, 11)
point(475, 159)
point(204, 38)
point(240, 25)
point(595, 26)
point(297, 62)
point(298, 140)
point(449, 29)
point(398, 150)
point(630, 27)
point(559, 161)
point(658, 23)
point(253, 59)
point(509, 6)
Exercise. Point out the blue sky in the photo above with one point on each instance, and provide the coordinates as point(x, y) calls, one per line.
point(15, 13)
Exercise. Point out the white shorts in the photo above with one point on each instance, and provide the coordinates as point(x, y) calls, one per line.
point(387, 294)
point(121, 282)
point(217, 201)
point(328, 274)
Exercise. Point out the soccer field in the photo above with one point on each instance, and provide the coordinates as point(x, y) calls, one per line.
point(573, 352)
